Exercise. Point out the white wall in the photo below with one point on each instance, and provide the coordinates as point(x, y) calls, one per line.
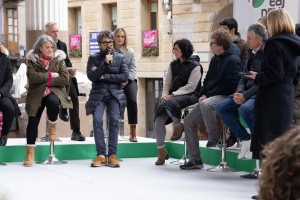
point(245, 14)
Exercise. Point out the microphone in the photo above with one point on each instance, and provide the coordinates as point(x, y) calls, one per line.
point(109, 52)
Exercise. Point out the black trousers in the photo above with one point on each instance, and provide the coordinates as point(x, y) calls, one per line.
point(8, 114)
point(130, 91)
point(74, 113)
point(52, 103)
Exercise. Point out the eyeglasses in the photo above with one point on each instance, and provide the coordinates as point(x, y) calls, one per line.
point(107, 42)
point(211, 43)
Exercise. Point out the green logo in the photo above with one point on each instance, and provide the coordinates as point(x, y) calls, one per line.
point(256, 3)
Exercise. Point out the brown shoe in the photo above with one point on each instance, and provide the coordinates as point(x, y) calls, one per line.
point(162, 156)
point(99, 161)
point(113, 161)
point(177, 131)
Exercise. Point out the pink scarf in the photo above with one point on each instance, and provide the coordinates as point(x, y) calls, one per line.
point(45, 59)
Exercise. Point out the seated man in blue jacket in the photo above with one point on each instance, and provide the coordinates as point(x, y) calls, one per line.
point(221, 80)
point(241, 103)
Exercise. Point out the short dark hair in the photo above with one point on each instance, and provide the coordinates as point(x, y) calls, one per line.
point(186, 48)
point(104, 34)
point(222, 38)
point(231, 23)
point(298, 29)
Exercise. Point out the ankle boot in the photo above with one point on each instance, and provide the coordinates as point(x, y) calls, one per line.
point(29, 156)
point(132, 137)
point(177, 131)
point(52, 131)
point(162, 156)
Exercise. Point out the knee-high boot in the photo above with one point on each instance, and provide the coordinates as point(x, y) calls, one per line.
point(29, 159)
point(132, 137)
point(162, 156)
point(52, 131)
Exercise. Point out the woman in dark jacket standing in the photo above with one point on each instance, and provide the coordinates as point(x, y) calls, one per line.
point(273, 111)
point(8, 105)
point(179, 91)
point(47, 80)
point(107, 70)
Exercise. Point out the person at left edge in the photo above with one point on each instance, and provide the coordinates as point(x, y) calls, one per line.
point(107, 70)
point(51, 29)
point(8, 105)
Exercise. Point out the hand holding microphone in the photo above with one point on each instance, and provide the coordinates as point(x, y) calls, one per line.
point(108, 57)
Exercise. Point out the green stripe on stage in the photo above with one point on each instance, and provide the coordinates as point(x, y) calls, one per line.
point(210, 156)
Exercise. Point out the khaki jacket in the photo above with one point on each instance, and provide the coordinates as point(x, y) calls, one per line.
point(38, 78)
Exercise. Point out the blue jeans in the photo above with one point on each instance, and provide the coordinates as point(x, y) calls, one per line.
point(229, 113)
point(113, 107)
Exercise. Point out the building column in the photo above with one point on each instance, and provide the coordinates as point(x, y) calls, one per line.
point(39, 12)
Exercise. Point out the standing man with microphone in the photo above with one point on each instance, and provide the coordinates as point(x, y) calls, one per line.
point(51, 29)
point(107, 70)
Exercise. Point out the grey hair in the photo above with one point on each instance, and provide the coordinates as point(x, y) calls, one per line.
point(49, 24)
point(259, 30)
point(105, 34)
point(40, 41)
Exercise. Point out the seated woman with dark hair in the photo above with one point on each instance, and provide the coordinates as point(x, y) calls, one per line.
point(179, 91)
point(8, 105)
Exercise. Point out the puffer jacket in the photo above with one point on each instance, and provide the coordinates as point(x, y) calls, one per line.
point(38, 78)
point(114, 74)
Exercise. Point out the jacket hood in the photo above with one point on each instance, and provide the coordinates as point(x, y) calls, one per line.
point(195, 58)
point(233, 49)
point(291, 41)
point(59, 54)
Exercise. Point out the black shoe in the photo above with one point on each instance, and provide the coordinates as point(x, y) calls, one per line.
point(63, 114)
point(231, 141)
point(3, 140)
point(77, 136)
point(212, 143)
point(255, 197)
point(192, 164)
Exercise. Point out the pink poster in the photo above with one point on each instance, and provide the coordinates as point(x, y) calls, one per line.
point(75, 41)
point(150, 38)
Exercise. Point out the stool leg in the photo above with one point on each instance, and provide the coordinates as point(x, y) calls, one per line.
point(222, 167)
point(52, 160)
point(184, 158)
point(255, 174)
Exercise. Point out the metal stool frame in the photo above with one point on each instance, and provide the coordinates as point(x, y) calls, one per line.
point(222, 167)
point(184, 158)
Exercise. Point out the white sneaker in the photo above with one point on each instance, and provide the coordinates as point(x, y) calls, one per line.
point(245, 149)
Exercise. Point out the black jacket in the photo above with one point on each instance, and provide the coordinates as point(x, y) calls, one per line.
point(223, 73)
point(274, 102)
point(254, 62)
point(6, 81)
point(115, 74)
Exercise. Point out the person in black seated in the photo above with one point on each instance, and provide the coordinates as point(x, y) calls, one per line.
point(179, 91)
point(8, 105)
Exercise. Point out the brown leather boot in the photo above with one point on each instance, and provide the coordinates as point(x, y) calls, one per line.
point(162, 156)
point(132, 137)
point(52, 131)
point(177, 131)
point(29, 159)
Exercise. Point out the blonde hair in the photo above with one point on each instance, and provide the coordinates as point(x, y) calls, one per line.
point(3, 50)
point(280, 178)
point(125, 37)
point(280, 21)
